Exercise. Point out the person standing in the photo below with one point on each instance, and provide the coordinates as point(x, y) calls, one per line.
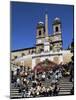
point(56, 90)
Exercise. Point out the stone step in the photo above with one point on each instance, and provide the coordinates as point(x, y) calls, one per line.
point(67, 88)
point(65, 78)
point(16, 96)
point(64, 93)
point(14, 89)
point(14, 93)
point(65, 82)
point(65, 85)
point(64, 90)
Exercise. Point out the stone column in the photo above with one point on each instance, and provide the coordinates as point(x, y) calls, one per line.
point(33, 63)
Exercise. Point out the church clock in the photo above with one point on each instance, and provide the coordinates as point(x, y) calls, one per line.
point(39, 41)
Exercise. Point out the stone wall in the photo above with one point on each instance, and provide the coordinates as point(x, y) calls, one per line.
point(57, 57)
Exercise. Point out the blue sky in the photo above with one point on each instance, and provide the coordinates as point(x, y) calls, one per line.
point(24, 19)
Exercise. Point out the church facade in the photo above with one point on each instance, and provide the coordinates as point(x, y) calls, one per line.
point(47, 46)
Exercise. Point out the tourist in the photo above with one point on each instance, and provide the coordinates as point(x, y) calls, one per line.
point(51, 88)
point(18, 82)
point(43, 91)
point(43, 76)
point(38, 90)
point(56, 90)
point(34, 83)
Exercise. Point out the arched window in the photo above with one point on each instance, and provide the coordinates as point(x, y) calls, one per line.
point(32, 51)
point(15, 57)
point(56, 29)
point(22, 54)
point(39, 32)
point(50, 47)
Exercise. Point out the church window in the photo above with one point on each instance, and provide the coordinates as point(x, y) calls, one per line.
point(41, 50)
point(32, 51)
point(60, 44)
point(23, 54)
point(50, 47)
point(56, 29)
point(29, 51)
point(15, 57)
point(39, 32)
point(57, 45)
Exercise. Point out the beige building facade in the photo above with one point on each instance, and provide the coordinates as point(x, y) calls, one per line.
point(47, 47)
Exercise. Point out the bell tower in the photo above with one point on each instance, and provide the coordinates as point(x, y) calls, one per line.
point(40, 32)
point(57, 35)
point(40, 35)
point(57, 26)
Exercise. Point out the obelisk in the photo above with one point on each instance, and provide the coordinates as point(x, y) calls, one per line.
point(46, 42)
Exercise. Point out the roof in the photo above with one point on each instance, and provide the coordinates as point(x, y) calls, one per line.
point(23, 49)
point(40, 24)
point(56, 21)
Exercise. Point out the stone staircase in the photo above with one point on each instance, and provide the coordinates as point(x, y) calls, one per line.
point(65, 86)
point(14, 92)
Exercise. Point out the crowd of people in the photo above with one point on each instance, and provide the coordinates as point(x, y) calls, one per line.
point(34, 84)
